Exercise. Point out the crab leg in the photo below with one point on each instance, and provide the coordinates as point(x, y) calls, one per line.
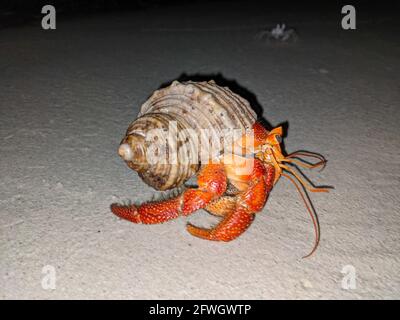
point(212, 183)
point(248, 202)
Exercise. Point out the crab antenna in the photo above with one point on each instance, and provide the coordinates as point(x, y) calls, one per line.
point(313, 216)
point(303, 183)
point(306, 154)
point(304, 164)
point(311, 155)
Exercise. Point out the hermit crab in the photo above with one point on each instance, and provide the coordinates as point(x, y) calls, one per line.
point(201, 129)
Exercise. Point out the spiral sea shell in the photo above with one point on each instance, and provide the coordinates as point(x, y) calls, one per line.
point(172, 122)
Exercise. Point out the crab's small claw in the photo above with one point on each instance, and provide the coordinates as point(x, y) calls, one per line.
point(234, 224)
point(222, 206)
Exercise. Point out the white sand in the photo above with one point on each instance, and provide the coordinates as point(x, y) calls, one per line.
point(67, 97)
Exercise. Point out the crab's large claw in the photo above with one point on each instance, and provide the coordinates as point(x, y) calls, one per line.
point(212, 183)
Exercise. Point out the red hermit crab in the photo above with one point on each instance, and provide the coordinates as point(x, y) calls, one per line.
point(202, 129)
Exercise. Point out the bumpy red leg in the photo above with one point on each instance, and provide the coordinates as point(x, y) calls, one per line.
point(212, 183)
point(248, 202)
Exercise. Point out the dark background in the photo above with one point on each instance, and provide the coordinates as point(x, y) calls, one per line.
point(19, 12)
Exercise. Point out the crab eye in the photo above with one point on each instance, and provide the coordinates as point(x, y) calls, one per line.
point(278, 138)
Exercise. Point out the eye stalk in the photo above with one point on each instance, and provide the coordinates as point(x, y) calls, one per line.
point(275, 137)
point(272, 154)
